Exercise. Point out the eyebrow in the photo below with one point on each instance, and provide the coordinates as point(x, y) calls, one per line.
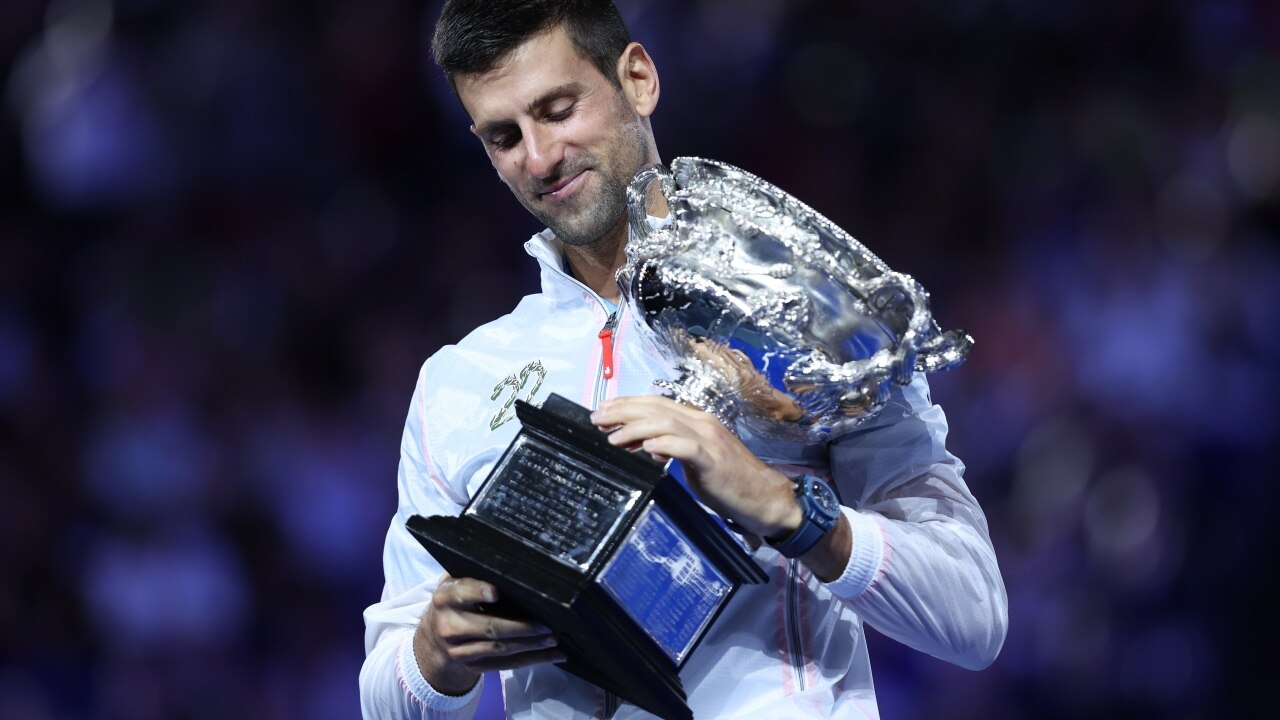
point(546, 98)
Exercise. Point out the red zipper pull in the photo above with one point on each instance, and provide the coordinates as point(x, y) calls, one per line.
point(606, 344)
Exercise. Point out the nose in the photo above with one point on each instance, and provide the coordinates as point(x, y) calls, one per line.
point(543, 151)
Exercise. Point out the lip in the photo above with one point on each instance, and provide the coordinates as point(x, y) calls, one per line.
point(564, 188)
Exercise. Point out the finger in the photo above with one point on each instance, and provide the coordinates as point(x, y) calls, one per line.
point(478, 650)
point(627, 409)
point(464, 593)
point(518, 660)
point(641, 402)
point(483, 638)
point(695, 418)
point(673, 446)
point(477, 641)
point(648, 427)
point(499, 629)
point(461, 625)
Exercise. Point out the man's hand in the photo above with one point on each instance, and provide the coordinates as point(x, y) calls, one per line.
point(456, 641)
point(727, 476)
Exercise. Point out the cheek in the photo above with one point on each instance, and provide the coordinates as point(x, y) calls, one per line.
point(506, 170)
point(588, 128)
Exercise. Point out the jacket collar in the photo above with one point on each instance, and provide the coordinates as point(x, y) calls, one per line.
point(557, 283)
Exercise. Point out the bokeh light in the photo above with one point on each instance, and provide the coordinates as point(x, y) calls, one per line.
point(230, 233)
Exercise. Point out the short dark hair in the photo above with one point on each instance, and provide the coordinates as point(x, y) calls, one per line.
point(473, 36)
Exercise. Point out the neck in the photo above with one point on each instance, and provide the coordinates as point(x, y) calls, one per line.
point(596, 265)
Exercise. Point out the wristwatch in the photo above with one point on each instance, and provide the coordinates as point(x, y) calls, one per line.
point(821, 509)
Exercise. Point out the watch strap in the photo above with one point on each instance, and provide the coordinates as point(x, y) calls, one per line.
point(819, 516)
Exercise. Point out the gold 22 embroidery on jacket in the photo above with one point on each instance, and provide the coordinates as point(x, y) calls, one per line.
point(512, 385)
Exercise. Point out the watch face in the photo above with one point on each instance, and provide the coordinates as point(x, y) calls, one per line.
point(823, 496)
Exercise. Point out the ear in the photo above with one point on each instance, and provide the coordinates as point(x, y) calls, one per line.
point(639, 78)
point(476, 134)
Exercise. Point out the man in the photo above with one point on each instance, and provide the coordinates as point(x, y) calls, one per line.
point(560, 98)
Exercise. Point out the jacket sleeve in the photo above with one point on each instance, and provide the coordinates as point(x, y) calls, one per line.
point(391, 685)
point(922, 568)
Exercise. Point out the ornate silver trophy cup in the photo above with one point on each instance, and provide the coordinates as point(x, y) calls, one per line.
point(780, 323)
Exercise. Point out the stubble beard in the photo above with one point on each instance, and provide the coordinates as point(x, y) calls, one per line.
point(601, 214)
point(598, 215)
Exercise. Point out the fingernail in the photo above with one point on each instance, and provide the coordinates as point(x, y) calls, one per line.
point(550, 641)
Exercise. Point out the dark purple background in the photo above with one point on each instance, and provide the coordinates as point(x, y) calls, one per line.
point(231, 231)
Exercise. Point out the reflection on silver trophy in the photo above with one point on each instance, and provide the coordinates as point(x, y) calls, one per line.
point(780, 323)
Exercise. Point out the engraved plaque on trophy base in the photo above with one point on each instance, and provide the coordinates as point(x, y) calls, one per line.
point(601, 545)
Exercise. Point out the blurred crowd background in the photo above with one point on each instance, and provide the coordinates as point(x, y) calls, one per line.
point(232, 230)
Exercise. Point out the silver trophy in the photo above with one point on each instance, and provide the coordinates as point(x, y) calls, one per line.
point(780, 323)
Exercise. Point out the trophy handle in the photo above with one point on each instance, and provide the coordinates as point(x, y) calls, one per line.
point(638, 197)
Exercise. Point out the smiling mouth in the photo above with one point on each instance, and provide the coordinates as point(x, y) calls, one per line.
point(563, 188)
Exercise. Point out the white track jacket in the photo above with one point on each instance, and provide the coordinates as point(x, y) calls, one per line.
point(922, 570)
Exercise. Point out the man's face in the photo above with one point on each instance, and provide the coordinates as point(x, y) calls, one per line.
point(560, 135)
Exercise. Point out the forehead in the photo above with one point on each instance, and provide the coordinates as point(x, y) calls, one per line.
point(545, 61)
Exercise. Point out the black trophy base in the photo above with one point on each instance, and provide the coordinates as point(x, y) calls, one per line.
point(602, 546)
point(602, 647)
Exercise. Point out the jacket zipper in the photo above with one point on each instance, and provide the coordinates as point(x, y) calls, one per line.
point(605, 335)
point(606, 344)
point(606, 354)
point(794, 647)
point(606, 373)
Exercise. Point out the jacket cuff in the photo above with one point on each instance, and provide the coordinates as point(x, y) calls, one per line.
point(865, 556)
point(416, 685)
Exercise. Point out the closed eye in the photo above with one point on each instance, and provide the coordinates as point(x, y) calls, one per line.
point(502, 137)
point(504, 142)
point(559, 115)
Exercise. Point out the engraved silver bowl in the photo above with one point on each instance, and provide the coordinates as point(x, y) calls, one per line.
point(779, 322)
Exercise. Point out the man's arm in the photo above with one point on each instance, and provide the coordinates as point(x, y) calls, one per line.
point(392, 684)
point(922, 569)
point(426, 641)
point(911, 550)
